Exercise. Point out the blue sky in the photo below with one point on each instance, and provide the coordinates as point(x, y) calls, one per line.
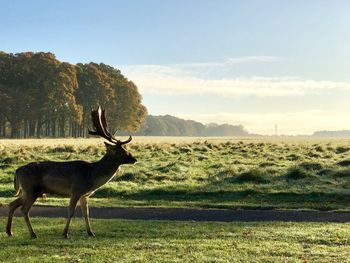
point(254, 63)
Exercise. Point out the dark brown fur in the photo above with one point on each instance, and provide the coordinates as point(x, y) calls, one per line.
point(75, 179)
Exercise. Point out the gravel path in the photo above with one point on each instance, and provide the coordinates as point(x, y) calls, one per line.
point(187, 214)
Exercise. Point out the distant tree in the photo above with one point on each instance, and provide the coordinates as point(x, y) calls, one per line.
point(154, 126)
point(171, 126)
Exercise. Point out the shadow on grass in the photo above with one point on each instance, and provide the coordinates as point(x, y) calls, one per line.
point(254, 187)
point(313, 199)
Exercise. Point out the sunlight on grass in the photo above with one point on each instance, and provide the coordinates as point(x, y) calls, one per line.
point(155, 241)
point(203, 172)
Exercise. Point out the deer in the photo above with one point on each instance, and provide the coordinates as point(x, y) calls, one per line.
point(75, 179)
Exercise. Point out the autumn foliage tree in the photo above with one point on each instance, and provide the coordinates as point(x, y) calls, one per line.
point(41, 96)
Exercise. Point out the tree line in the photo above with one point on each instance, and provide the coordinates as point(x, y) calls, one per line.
point(42, 96)
point(172, 126)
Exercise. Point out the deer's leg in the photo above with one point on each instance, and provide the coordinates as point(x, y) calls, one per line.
point(72, 204)
point(85, 210)
point(27, 204)
point(12, 208)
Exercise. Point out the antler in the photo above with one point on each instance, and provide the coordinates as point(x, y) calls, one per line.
point(100, 127)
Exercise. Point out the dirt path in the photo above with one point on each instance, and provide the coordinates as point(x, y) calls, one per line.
point(187, 214)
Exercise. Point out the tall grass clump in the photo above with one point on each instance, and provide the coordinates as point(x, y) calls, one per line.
point(226, 172)
point(255, 175)
point(341, 149)
point(297, 173)
point(344, 163)
point(62, 149)
point(311, 166)
point(341, 173)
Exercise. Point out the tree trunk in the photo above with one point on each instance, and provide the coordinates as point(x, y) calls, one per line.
point(70, 128)
point(4, 129)
point(14, 129)
point(83, 129)
point(25, 134)
point(47, 128)
point(30, 128)
point(74, 131)
point(53, 127)
point(38, 128)
point(62, 128)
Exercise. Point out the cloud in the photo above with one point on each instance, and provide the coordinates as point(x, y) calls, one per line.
point(184, 79)
point(205, 79)
point(291, 123)
point(231, 62)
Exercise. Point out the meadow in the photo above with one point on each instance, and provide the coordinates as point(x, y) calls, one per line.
point(155, 241)
point(259, 173)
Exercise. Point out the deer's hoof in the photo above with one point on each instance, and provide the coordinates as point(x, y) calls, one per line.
point(9, 233)
point(65, 235)
point(91, 234)
point(33, 236)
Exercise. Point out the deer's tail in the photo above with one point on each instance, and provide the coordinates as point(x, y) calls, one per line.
point(16, 184)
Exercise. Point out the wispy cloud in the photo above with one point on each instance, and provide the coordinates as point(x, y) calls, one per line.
point(181, 79)
point(231, 62)
point(203, 79)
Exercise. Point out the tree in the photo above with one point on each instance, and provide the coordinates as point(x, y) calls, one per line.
point(93, 89)
point(128, 111)
point(14, 71)
point(39, 95)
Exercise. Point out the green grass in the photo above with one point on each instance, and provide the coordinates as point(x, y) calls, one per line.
point(155, 241)
point(221, 173)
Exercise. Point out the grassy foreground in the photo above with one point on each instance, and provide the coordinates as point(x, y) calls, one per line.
point(207, 172)
point(152, 241)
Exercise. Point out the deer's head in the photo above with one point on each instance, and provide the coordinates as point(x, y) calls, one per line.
point(120, 154)
point(116, 149)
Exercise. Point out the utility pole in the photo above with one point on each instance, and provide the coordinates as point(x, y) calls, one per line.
point(275, 129)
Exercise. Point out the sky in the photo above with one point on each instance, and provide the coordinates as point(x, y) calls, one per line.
point(255, 63)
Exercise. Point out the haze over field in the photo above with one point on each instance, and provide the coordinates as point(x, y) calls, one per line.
point(255, 63)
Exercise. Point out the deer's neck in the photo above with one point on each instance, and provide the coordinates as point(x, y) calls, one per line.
point(104, 170)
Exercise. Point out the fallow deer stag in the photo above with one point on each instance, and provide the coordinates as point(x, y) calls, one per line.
point(75, 179)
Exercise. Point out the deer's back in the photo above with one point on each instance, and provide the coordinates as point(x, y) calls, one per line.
point(54, 177)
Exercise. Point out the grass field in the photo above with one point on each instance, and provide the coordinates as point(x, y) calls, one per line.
point(204, 172)
point(192, 172)
point(152, 241)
